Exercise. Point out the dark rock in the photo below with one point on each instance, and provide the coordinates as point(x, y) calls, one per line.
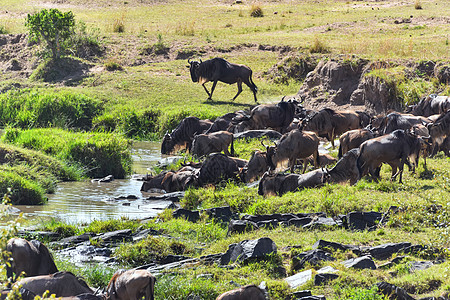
point(393, 292)
point(322, 222)
point(144, 233)
point(248, 249)
point(175, 196)
point(362, 220)
point(172, 258)
point(191, 216)
point(298, 222)
point(363, 262)
point(391, 263)
point(325, 245)
point(419, 265)
point(251, 134)
point(301, 294)
point(313, 298)
point(313, 257)
point(115, 236)
point(65, 242)
point(241, 226)
point(129, 197)
point(386, 250)
point(320, 279)
point(270, 224)
point(220, 213)
point(442, 72)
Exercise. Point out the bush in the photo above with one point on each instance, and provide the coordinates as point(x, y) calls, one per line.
point(21, 190)
point(32, 108)
point(256, 11)
point(318, 47)
point(98, 154)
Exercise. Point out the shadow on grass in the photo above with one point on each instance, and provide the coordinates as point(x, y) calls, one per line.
point(231, 103)
point(426, 174)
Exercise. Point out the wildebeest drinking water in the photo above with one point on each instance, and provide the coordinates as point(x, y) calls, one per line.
point(218, 69)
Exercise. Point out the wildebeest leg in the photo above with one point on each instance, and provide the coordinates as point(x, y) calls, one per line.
point(212, 88)
point(333, 136)
point(209, 94)
point(239, 85)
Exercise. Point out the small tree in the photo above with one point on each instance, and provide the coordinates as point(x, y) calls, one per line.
point(54, 27)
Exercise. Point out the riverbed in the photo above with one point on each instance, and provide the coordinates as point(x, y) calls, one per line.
point(85, 201)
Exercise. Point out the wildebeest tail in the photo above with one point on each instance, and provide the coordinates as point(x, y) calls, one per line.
point(254, 88)
point(340, 151)
point(360, 164)
point(150, 289)
point(232, 147)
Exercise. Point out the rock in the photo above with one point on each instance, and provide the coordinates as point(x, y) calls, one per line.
point(301, 294)
point(270, 224)
point(241, 226)
point(325, 245)
point(386, 250)
point(363, 262)
point(223, 214)
point(66, 242)
point(362, 220)
point(419, 265)
point(442, 72)
point(299, 279)
point(248, 249)
point(391, 263)
point(175, 196)
point(298, 222)
point(172, 258)
point(313, 298)
point(321, 279)
point(191, 216)
point(312, 257)
point(321, 222)
point(393, 292)
point(115, 236)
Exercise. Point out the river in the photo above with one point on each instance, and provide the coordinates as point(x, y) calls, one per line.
point(85, 201)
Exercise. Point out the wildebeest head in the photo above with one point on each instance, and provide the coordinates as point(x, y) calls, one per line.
point(167, 144)
point(193, 68)
point(270, 152)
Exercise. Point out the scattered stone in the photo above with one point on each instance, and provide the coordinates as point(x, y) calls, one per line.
point(325, 245)
point(270, 224)
point(363, 262)
point(298, 222)
point(248, 249)
point(362, 220)
point(320, 279)
point(191, 216)
point(108, 178)
point(386, 250)
point(419, 265)
point(123, 235)
point(393, 292)
point(299, 279)
point(241, 226)
point(220, 213)
point(174, 197)
point(312, 257)
point(301, 294)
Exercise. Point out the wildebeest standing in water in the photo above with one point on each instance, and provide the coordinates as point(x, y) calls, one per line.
point(131, 285)
point(218, 69)
point(31, 257)
point(183, 134)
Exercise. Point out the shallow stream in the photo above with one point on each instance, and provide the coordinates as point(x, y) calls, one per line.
point(85, 201)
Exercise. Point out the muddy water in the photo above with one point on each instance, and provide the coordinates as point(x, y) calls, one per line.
point(83, 202)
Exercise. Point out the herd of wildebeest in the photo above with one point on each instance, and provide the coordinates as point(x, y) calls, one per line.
point(365, 143)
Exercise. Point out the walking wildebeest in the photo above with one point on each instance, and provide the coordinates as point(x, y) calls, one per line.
point(329, 123)
point(277, 116)
point(218, 69)
point(218, 141)
point(394, 149)
point(248, 292)
point(62, 284)
point(131, 285)
point(294, 145)
point(31, 257)
point(183, 134)
point(353, 139)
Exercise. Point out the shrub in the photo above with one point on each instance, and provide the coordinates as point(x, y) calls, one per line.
point(318, 47)
point(119, 25)
point(256, 11)
point(112, 65)
point(418, 5)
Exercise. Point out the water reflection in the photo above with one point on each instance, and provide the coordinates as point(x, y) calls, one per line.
point(83, 202)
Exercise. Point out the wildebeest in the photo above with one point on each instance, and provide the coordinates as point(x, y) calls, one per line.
point(256, 166)
point(324, 160)
point(280, 184)
point(248, 292)
point(430, 105)
point(62, 284)
point(394, 149)
point(222, 123)
point(131, 285)
point(217, 167)
point(179, 181)
point(218, 69)
point(153, 182)
point(345, 169)
point(183, 134)
point(329, 123)
point(394, 121)
point(219, 141)
point(31, 257)
point(439, 130)
point(353, 139)
point(294, 145)
point(276, 116)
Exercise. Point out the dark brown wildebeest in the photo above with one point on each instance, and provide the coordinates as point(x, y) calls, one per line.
point(276, 116)
point(394, 149)
point(353, 139)
point(324, 160)
point(294, 145)
point(439, 131)
point(153, 182)
point(280, 184)
point(219, 141)
point(131, 285)
point(248, 292)
point(62, 284)
point(31, 257)
point(345, 169)
point(256, 166)
point(218, 167)
point(329, 123)
point(430, 105)
point(182, 136)
point(218, 69)
point(222, 123)
point(179, 181)
point(394, 121)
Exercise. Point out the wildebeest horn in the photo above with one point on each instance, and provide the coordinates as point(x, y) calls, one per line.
point(189, 60)
point(282, 99)
point(200, 60)
point(262, 143)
